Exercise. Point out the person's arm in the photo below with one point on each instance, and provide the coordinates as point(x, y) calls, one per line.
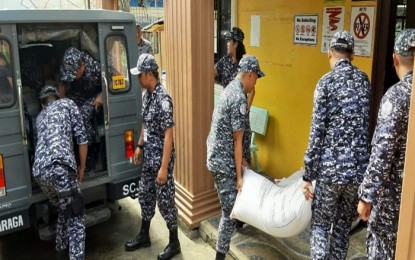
point(237, 145)
point(10, 82)
point(215, 72)
point(388, 130)
point(167, 149)
point(83, 151)
point(139, 149)
point(317, 133)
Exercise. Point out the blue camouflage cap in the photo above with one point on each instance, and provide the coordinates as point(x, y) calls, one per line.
point(48, 90)
point(70, 64)
point(145, 63)
point(342, 39)
point(235, 34)
point(405, 42)
point(250, 64)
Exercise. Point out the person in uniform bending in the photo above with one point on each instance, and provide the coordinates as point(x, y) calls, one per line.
point(81, 76)
point(144, 46)
point(225, 149)
point(156, 151)
point(338, 149)
point(55, 168)
point(380, 191)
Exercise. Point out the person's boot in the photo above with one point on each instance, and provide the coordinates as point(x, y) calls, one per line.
point(173, 248)
point(220, 256)
point(141, 240)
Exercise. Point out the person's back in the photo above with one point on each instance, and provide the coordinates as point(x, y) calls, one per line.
point(345, 149)
point(56, 125)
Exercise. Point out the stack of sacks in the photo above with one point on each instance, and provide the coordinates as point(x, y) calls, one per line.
point(277, 209)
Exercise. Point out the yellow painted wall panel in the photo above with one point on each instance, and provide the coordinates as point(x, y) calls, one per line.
point(292, 71)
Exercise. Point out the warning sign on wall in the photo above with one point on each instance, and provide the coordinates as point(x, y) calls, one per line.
point(333, 21)
point(305, 29)
point(361, 26)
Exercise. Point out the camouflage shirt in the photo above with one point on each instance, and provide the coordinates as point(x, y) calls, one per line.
point(144, 47)
point(57, 124)
point(226, 70)
point(382, 184)
point(157, 113)
point(88, 85)
point(338, 146)
point(230, 115)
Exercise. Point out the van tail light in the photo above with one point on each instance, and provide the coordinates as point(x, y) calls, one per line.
point(129, 144)
point(2, 178)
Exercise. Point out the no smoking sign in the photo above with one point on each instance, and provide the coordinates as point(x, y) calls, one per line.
point(361, 26)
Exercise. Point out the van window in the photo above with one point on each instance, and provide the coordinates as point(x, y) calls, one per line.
point(117, 62)
point(6, 76)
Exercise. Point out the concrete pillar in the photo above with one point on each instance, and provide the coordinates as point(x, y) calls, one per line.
point(189, 43)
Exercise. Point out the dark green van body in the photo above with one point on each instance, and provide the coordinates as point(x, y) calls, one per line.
point(38, 38)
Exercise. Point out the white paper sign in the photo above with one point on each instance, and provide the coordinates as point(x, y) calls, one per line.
point(305, 29)
point(333, 21)
point(361, 27)
point(255, 30)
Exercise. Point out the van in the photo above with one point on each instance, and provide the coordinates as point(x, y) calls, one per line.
point(32, 45)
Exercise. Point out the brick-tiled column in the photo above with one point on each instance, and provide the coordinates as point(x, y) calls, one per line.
point(189, 48)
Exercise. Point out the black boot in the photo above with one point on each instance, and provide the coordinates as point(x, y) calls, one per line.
point(220, 256)
point(141, 240)
point(173, 248)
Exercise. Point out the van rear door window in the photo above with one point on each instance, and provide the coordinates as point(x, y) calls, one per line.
point(117, 61)
point(6, 75)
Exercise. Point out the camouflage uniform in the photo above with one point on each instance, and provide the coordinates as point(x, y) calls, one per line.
point(83, 90)
point(55, 169)
point(226, 69)
point(157, 113)
point(382, 184)
point(144, 47)
point(230, 115)
point(338, 152)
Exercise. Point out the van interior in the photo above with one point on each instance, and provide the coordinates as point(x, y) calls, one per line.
point(41, 49)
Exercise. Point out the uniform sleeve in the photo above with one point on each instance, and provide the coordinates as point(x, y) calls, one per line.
point(220, 67)
point(384, 144)
point(317, 132)
point(166, 113)
point(238, 112)
point(77, 124)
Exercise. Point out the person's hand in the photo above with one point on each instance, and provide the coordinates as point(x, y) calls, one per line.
point(98, 101)
point(364, 209)
point(245, 164)
point(81, 173)
point(307, 187)
point(239, 184)
point(137, 156)
point(162, 176)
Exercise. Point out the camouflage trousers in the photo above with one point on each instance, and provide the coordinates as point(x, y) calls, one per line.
point(227, 192)
point(334, 207)
point(150, 193)
point(70, 230)
point(380, 246)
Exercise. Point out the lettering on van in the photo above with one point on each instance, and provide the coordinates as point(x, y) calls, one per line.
point(118, 82)
point(11, 223)
point(5, 206)
point(129, 189)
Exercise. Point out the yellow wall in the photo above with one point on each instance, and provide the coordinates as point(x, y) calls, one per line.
point(292, 72)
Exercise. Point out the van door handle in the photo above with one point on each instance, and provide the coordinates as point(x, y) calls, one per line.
point(107, 107)
point(21, 111)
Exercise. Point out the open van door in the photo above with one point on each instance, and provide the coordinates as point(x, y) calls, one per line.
point(15, 177)
point(122, 106)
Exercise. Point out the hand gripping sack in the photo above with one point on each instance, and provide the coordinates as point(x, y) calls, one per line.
point(279, 210)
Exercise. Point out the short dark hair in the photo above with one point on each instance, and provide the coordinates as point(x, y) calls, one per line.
point(46, 100)
point(155, 74)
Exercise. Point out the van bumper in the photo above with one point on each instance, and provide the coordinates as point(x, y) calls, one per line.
point(14, 220)
point(123, 188)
